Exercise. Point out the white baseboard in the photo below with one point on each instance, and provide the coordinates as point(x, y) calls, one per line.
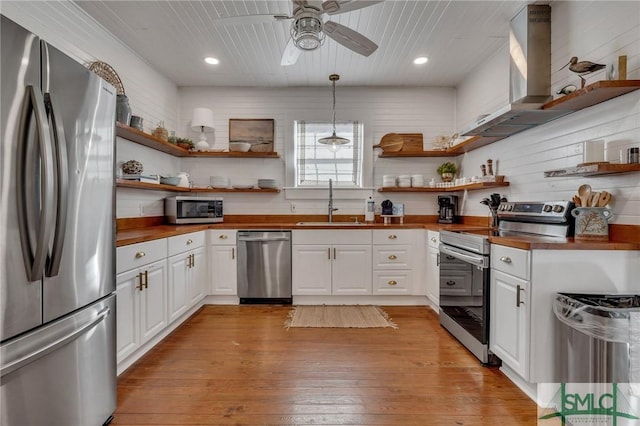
point(530, 389)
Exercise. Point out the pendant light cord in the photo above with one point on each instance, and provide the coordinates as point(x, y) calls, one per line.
point(334, 107)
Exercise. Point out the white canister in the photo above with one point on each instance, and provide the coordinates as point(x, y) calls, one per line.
point(369, 210)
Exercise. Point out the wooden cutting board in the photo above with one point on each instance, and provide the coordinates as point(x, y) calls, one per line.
point(394, 142)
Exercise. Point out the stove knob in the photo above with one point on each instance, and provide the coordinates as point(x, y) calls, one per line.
point(558, 208)
point(547, 208)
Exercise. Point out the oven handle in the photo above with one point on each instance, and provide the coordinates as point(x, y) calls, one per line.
point(477, 260)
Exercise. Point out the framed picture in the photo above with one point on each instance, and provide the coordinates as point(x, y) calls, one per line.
point(258, 132)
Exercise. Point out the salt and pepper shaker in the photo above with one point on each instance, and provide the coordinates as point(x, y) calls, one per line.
point(633, 155)
point(490, 167)
point(484, 170)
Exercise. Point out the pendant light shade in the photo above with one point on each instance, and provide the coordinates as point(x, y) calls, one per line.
point(334, 141)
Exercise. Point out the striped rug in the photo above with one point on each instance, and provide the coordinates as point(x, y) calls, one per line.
point(341, 316)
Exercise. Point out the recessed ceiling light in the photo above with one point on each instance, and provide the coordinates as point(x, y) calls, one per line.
point(211, 60)
point(420, 60)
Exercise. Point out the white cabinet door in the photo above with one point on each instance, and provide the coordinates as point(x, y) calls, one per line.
point(153, 303)
point(224, 272)
point(351, 269)
point(178, 282)
point(197, 276)
point(127, 322)
point(509, 311)
point(433, 276)
point(311, 269)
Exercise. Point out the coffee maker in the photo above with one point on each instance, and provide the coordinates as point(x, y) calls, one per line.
point(448, 209)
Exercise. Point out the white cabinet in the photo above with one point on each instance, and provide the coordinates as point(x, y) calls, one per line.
point(223, 262)
point(141, 295)
point(393, 261)
point(331, 262)
point(432, 277)
point(187, 272)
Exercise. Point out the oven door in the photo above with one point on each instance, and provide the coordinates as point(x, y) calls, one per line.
point(464, 290)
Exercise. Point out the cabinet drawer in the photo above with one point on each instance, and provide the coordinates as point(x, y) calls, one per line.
point(392, 257)
point(185, 242)
point(330, 236)
point(433, 239)
point(510, 260)
point(222, 237)
point(392, 282)
point(394, 236)
point(137, 255)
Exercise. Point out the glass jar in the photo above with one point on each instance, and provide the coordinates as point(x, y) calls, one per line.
point(123, 110)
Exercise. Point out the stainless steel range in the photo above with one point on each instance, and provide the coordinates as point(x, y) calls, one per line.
point(465, 267)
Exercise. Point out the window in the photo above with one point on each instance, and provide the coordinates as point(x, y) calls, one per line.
point(316, 163)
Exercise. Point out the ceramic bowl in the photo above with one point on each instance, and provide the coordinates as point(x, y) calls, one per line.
point(239, 146)
point(169, 180)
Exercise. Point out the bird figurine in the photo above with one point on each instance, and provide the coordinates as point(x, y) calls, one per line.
point(583, 67)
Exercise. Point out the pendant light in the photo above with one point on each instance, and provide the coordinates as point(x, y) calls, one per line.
point(334, 141)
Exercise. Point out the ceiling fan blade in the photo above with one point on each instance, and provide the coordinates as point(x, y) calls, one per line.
point(251, 19)
point(333, 7)
point(290, 54)
point(349, 38)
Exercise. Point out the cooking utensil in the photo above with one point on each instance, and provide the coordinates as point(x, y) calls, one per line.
point(577, 201)
point(604, 199)
point(593, 199)
point(583, 192)
point(395, 142)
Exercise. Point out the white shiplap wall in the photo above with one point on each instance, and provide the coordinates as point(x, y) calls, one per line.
point(589, 31)
point(67, 27)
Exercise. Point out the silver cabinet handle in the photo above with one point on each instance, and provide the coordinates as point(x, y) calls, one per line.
point(140, 254)
point(222, 237)
point(392, 282)
point(329, 253)
point(334, 253)
point(12, 366)
point(35, 247)
point(505, 259)
point(233, 253)
point(189, 241)
point(392, 257)
point(393, 237)
point(518, 300)
point(62, 183)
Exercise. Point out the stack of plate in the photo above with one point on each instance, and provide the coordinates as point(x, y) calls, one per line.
point(404, 181)
point(417, 181)
point(388, 181)
point(218, 182)
point(267, 183)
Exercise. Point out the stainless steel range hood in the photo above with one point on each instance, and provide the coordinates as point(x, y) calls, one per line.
point(529, 78)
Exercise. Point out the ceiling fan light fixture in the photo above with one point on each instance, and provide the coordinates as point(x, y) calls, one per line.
point(307, 32)
point(334, 141)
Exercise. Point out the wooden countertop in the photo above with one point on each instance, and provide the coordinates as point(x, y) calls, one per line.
point(156, 231)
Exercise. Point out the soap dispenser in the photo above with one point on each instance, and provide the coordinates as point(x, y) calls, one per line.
point(369, 210)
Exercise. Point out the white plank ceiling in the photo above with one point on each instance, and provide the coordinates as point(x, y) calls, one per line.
point(175, 36)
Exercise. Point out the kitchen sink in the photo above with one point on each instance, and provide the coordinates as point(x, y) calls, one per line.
point(331, 224)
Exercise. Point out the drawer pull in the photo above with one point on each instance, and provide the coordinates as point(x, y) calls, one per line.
point(433, 239)
point(450, 283)
point(223, 237)
point(393, 237)
point(189, 241)
point(505, 259)
point(146, 279)
point(392, 282)
point(393, 257)
point(140, 254)
point(233, 253)
point(140, 285)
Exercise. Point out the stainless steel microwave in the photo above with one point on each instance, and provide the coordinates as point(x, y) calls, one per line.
point(180, 210)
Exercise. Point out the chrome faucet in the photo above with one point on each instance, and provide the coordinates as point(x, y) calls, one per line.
point(331, 209)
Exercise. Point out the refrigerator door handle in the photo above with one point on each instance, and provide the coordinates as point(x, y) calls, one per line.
point(35, 252)
point(62, 183)
point(19, 363)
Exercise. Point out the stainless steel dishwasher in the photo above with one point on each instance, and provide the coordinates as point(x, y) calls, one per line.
point(264, 266)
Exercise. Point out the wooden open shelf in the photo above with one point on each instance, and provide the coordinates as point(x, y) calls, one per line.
point(471, 186)
point(594, 170)
point(134, 184)
point(150, 141)
point(593, 94)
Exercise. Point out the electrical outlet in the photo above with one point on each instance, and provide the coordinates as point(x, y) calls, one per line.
point(293, 207)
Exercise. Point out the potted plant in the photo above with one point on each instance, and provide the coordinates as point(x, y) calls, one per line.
point(185, 143)
point(447, 171)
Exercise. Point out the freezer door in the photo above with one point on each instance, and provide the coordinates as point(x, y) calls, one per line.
point(81, 110)
point(64, 373)
point(20, 297)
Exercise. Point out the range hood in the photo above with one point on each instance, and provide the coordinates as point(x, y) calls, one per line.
point(529, 78)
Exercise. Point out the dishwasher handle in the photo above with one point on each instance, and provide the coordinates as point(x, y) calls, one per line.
point(261, 240)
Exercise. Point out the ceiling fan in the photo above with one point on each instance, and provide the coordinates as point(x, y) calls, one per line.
point(308, 30)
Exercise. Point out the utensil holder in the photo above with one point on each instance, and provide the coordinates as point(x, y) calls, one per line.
point(592, 223)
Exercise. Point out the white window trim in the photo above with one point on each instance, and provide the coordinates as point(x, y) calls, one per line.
point(291, 192)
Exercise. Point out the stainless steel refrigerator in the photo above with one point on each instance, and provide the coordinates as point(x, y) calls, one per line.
point(57, 272)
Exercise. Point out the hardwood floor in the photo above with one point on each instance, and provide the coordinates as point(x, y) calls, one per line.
point(238, 365)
